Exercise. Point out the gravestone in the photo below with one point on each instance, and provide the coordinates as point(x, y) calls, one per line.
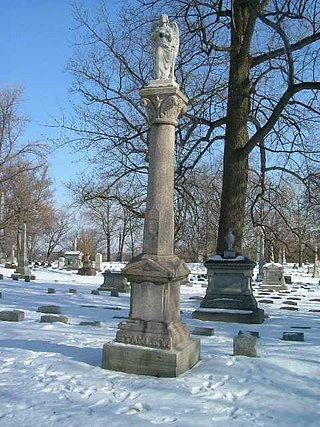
point(293, 336)
point(51, 318)
point(87, 268)
point(114, 280)
point(12, 315)
point(50, 309)
point(273, 277)
point(61, 262)
point(245, 344)
point(229, 296)
point(22, 270)
point(261, 256)
point(72, 260)
point(98, 262)
point(157, 342)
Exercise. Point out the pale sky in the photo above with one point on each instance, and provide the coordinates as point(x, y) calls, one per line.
point(36, 43)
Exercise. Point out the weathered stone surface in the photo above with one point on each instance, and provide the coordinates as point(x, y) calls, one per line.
point(289, 307)
point(98, 262)
point(94, 323)
point(151, 361)
point(51, 291)
point(288, 279)
point(50, 318)
point(12, 315)
point(288, 302)
point(114, 280)
point(114, 293)
point(293, 336)
point(266, 301)
point(245, 345)
point(256, 316)
point(273, 277)
point(50, 309)
point(208, 332)
point(253, 333)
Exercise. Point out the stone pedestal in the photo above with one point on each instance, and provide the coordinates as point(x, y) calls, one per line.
point(229, 296)
point(114, 280)
point(87, 269)
point(273, 277)
point(154, 341)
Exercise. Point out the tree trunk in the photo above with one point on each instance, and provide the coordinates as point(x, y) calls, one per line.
point(235, 168)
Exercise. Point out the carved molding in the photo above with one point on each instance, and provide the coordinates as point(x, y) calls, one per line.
point(164, 109)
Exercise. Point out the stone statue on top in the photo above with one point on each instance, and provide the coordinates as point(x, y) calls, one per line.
point(165, 38)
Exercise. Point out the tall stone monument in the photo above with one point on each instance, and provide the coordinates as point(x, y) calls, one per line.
point(154, 341)
point(261, 257)
point(2, 236)
point(229, 296)
point(316, 265)
point(22, 270)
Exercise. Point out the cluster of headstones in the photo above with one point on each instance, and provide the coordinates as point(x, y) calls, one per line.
point(246, 342)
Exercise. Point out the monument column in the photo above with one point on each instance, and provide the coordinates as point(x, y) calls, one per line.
point(261, 260)
point(22, 270)
point(157, 341)
point(2, 236)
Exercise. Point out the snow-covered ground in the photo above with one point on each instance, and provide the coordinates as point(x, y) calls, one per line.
point(50, 374)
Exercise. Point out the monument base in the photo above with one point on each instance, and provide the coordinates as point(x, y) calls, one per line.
point(141, 360)
point(20, 276)
point(232, 316)
point(259, 277)
point(229, 296)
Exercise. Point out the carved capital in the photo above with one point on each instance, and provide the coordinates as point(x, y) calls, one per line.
point(164, 105)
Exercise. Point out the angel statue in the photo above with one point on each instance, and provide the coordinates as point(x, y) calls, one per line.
point(165, 38)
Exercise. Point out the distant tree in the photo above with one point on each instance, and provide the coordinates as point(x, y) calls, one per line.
point(12, 145)
point(55, 229)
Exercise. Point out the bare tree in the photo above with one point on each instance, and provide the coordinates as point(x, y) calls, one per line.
point(250, 71)
point(12, 147)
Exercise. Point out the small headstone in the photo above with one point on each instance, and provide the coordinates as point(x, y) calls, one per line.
point(294, 299)
point(72, 291)
point(12, 315)
point(50, 309)
point(253, 333)
point(27, 279)
point(51, 291)
point(94, 323)
point(1, 276)
point(14, 277)
point(266, 301)
point(287, 279)
point(315, 299)
point(293, 336)
point(0, 294)
point(196, 297)
point(114, 293)
point(95, 292)
point(314, 310)
point(245, 345)
point(189, 284)
point(291, 302)
point(289, 307)
point(204, 285)
point(208, 332)
point(49, 318)
point(108, 307)
point(276, 297)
